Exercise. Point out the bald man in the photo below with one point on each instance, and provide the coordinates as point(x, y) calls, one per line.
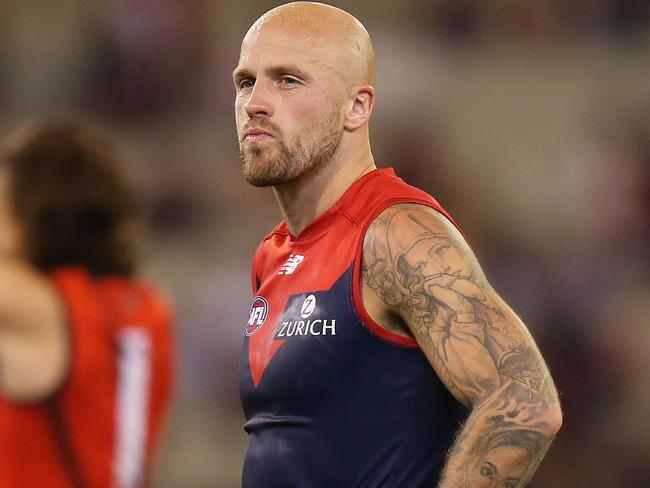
point(373, 333)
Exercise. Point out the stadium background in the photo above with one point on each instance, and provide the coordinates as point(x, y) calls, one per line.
point(530, 121)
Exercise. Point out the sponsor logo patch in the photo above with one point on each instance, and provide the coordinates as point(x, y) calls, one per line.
point(306, 326)
point(308, 307)
point(259, 312)
point(317, 327)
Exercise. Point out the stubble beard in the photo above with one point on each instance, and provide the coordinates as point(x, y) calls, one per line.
point(311, 149)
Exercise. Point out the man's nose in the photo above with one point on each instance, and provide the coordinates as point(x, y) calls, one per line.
point(259, 103)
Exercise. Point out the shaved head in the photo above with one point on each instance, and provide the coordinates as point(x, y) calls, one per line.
point(304, 92)
point(335, 36)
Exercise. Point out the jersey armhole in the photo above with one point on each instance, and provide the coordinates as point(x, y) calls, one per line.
point(60, 282)
point(357, 300)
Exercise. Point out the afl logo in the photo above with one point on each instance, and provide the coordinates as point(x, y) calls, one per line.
point(308, 306)
point(259, 311)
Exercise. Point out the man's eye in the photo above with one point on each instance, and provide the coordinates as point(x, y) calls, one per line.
point(287, 80)
point(246, 83)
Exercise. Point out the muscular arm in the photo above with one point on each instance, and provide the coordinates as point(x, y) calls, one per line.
point(423, 272)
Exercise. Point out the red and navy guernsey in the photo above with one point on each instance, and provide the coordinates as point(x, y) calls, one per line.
point(331, 399)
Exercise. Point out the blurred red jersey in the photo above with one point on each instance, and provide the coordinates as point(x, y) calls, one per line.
point(101, 428)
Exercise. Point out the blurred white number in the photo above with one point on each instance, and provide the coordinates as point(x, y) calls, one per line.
point(134, 372)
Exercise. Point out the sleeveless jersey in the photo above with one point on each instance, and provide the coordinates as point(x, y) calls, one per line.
point(99, 430)
point(332, 399)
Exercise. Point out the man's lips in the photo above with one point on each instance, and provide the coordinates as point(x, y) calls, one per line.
point(256, 135)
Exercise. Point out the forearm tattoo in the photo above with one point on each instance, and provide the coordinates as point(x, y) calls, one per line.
point(424, 271)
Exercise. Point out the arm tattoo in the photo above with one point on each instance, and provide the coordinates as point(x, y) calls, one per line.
point(423, 270)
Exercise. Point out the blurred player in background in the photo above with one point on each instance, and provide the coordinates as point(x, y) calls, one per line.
point(372, 321)
point(86, 350)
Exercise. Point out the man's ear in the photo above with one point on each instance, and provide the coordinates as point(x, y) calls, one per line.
point(360, 109)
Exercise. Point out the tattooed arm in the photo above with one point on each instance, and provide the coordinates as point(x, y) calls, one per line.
point(420, 275)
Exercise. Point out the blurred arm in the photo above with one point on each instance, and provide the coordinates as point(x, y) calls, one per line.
point(424, 273)
point(33, 335)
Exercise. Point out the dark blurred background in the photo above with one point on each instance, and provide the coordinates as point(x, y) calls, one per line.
point(528, 120)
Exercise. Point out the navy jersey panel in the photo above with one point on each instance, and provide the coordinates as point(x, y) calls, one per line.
point(327, 402)
point(344, 409)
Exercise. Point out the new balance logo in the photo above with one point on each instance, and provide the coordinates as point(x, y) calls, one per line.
point(292, 263)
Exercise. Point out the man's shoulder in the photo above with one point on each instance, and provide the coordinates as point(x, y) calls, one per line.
point(407, 224)
point(405, 214)
point(389, 181)
point(381, 190)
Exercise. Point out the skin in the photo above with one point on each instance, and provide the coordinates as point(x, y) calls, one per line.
point(33, 340)
point(305, 75)
point(421, 278)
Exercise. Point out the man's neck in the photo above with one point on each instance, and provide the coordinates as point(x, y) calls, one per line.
point(304, 200)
